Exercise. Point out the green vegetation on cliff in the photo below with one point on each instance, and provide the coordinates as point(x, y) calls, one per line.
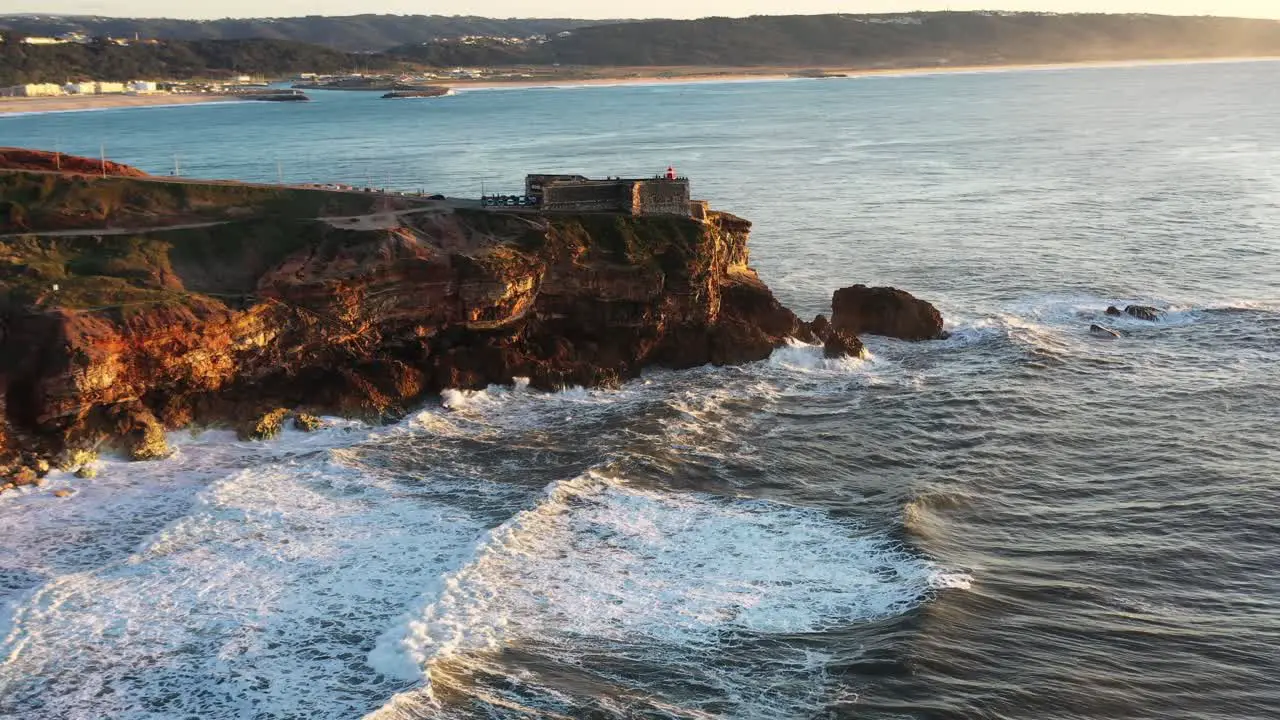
point(922, 39)
point(173, 59)
point(222, 261)
point(37, 202)
point(211, 238)
point(350, 33)
point(909, 39)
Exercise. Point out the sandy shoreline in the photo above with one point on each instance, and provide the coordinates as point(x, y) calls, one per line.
point(691, 75)
point(71, 103)
point(609, 77)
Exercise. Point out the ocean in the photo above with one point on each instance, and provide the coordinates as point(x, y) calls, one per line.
point(1022, 521)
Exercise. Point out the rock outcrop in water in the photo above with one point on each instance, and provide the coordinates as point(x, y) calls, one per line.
point(887, 311)
point(835, 343)
point(1141, 312)
point(268, 298)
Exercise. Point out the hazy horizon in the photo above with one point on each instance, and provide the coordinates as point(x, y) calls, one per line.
point(678, 9)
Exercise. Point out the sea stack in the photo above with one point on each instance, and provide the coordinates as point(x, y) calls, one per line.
point(886, 311)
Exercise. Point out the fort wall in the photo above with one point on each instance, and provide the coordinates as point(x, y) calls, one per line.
point(660, 197)
point(573, 193)
point(534, 184)
point(590, 196)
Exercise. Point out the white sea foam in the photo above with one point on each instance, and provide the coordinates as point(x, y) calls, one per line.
point(1057, 325)
point(242, 578)
point(253, 602)
point(601, 568)
point(801, 356)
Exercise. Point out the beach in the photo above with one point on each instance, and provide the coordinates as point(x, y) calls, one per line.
point(702, 74)
point(67, 103)
point(613, 76)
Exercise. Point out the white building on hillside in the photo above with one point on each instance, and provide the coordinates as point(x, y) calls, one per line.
point(105, 88)
point(80, 88)
point(33, 90)
point(141, 87)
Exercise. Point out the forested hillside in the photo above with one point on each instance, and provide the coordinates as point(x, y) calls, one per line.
point(910, 40)
point(351, 33)
point(20, 63)
point(894, 40)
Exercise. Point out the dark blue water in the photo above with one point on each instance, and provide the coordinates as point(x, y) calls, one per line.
point(1023, 521)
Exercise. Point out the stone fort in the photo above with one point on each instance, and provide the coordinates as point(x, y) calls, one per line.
point(632, 196)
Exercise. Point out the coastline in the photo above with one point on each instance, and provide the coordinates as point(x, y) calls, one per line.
point(75, 103)
point(612, 77)
point(692, 75)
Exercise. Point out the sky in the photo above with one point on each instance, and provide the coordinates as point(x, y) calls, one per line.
point(618, 8)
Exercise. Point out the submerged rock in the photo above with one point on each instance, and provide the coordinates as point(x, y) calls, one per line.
point(1143, 312)
point(130, 424)
point(150, 444)
point(1114, 311)
point(884, 311)
point(1104, 331)
point(841, 344)
point(24, 476)
point(73, 459)
point(307, 423)
point(264, 427)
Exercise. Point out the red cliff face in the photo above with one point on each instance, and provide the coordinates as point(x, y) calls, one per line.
point(157, 329)
point(20, 159)
point(129, 306)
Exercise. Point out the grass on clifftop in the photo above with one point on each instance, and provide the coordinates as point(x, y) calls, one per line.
point(171, 266)
point(45, 202)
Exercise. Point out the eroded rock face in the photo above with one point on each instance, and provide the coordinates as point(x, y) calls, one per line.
point(887, 311)
point(224, 324)
point(821, 328)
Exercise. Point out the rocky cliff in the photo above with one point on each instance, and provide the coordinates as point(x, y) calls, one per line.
point(217, 303)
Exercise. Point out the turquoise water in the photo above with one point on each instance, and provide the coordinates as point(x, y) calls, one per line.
point(1023, 521)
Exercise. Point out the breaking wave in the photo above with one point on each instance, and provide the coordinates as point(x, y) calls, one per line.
point(640, 578)
point(248, 577)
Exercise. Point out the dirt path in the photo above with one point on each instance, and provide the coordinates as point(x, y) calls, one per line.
point(385, 220)
point(90, 232)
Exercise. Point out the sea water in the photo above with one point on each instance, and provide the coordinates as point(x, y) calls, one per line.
point(1022, 521)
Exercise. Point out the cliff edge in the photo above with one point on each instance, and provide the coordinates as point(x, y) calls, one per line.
point(42, 160)
point(133, 305)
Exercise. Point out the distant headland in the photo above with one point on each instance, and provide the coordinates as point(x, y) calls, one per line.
point(434, 50)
